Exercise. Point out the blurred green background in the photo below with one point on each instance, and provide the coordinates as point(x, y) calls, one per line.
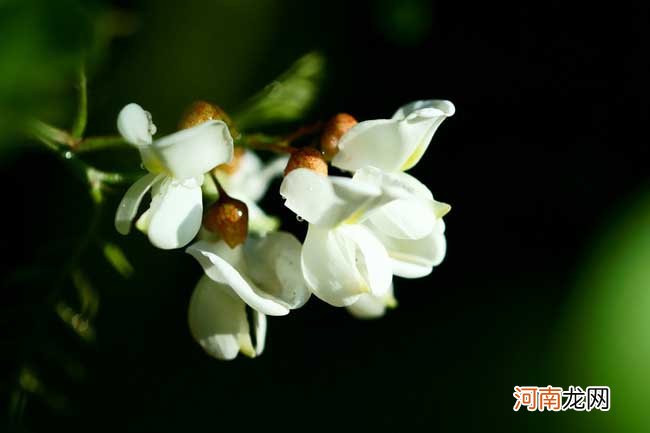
point(547, 278)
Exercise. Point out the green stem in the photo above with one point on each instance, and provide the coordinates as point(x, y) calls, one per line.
point(278, 144)
point(79, 124)
point(265, 142)
point(60, 143)
point(92, 144)
point(49, 134)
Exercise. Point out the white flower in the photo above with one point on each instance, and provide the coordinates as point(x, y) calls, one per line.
point(176, 164)
point(341, 258)
point(218, 321)
point(347, 252)
point(264, 274)
point(248, 183)
point(395, 144)
point(411, 227)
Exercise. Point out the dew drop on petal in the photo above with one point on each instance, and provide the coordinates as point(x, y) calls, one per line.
point(299, 218)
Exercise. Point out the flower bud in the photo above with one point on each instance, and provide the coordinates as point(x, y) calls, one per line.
point(228, 217)
point(332, 133)
point(307, 157)
point(202, 111)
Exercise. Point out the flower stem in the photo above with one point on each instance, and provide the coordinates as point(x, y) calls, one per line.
point(49, 134)
point(279, 144)
point(61, 143)
point(265, 142)
point(220, 190)
point(79, 124)
point(92, 144)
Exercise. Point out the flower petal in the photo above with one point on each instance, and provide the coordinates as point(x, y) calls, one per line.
point(130, 203)
point(415, 258)
point(213, 257)
point(328, 264)
point(394, 184)
point(190, 152)
point(413, 213)
point(404, 219)
point(259, 325)
point(175, 213)
point(217, 319)
point(340, 265)
point(274, 265)
point(442, 105)
point(371, 258)
point(410, 215)
point(372, 307)
point(251, 179)
point(326, 201)
point(135, 125)
point(394, 144)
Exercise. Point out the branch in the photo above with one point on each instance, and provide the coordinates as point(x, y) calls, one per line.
point(79, 124)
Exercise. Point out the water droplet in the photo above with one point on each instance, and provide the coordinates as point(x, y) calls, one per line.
point(67, 155)
point(299, 218)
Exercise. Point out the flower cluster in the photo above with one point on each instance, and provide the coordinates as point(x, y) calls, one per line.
point(362, 230)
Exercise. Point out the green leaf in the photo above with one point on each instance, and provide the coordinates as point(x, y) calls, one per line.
point(42, 44)
point(286, 99)
point(117, 259)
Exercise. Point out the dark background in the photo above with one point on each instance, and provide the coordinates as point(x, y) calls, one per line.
point(545, 164)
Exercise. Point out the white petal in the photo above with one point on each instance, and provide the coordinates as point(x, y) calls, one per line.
point(326, 201)
point(175, 213)
point(221, 271)
point(415, 258)
point(413, 213)
point(217, 319)
point(392, 145)
point(340, 265)
point(135, 125)
point(405, 219)
point(442, 105)
point(130, 203)
point(190, 152)
point(273, 263)
point(251, 180)
point(243, 182)
point(395, 184)
point(259, 325)
point(328, 264)
point(372, 307)
point(371, 258)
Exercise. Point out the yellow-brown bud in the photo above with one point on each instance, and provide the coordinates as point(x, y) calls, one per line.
point(228, 217)
point(332, 133)
point(307, 157)
point(202, 111)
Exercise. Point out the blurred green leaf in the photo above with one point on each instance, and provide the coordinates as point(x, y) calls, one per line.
point(286, 99)
point(117, 259)
point(88, 296)
point(606, 332)
point(42, 45)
